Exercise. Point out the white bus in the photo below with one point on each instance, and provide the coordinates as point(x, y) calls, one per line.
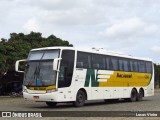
point(65, 74)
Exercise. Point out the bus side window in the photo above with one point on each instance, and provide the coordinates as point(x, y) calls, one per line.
point(126, 65)
point(114, 63)
point(80, 65)
point(83, 60)
point(142, 66)
point(121, 65)
point(98, 61)
point(131, 66)
point(96, 66)
point(107, 63)
point(148, 67)
point(135, 66)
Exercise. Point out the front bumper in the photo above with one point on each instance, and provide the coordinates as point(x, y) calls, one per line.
point(47, 97)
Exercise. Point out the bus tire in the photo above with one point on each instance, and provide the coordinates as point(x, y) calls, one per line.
point(80, 99)
point(140, 95)
point(133, 97)
point(51, 104)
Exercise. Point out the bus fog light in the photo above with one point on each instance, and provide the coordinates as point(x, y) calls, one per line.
point(25, 90)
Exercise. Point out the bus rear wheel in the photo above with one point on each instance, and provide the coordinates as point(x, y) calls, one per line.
point(51, 104)
point(140, 95)
point(80, 99)
point(133, 95)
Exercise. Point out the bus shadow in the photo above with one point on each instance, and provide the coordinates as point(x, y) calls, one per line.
point(111, 102)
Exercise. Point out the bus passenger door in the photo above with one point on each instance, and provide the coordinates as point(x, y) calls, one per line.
point(65, 76)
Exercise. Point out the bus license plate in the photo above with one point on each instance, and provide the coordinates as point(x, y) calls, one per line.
point(36, 97)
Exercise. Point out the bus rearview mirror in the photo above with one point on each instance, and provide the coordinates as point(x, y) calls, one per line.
point(55, 64)
point(17, 65)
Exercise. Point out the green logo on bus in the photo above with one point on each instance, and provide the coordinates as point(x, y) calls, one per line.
point(91, 77)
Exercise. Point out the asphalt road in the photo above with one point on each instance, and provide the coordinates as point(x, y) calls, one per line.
point(19, 104)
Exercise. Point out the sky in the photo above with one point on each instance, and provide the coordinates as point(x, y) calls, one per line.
point(128, 26)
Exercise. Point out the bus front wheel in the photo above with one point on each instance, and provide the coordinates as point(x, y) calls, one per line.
point(80, 99)
point(51, 104)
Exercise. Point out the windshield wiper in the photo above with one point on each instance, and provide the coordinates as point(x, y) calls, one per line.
point(36, 73)
point(33, 76)
point(38, 76)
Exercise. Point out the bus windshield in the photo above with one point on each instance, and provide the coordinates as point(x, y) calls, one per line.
point(40, 73)
point(39, 68)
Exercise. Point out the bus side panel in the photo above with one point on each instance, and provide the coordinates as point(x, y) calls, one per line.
point(65, 94)
point(79, 82)
point(105, 92)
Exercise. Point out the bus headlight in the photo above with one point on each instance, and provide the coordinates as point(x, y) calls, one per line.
point(49, 91)
point(25, 89)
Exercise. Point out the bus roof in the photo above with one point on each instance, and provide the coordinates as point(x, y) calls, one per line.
point(96, 51)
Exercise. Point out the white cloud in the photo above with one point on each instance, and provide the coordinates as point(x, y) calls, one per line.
point(134, 24)
point(131, 29)
point(127, 26)
point(31, 25)
point(74, 15)
point(54, 4)
point(151, 29)
point(156, 49)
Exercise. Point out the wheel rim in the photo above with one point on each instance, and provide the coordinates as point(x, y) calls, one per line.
point(133, 96)
point(80, 99)
point(140, 94)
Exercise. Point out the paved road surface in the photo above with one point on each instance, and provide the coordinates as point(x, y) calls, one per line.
point(147, 104)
